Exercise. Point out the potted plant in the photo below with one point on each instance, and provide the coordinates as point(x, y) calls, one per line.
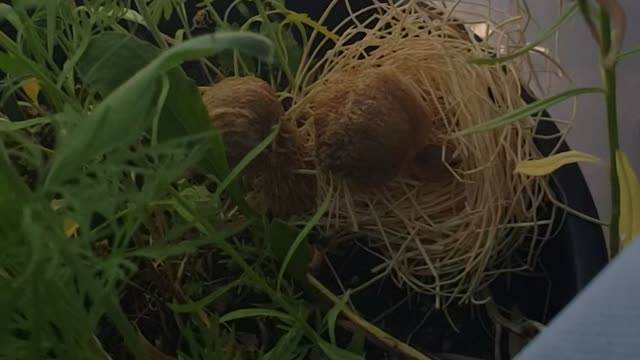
point(129, 213)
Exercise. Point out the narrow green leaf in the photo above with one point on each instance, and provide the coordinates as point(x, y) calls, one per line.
point(251, 313)
point(120, 119)
point(332, 317)
point(129, 14)
point(51, 11)
point(628, 53)
point(8, 13)
point(196, 306)
point(288, 346)
point(335, 353)
point(246, 160)
point(525, 111)
point(10, 108)
point(13, 194)
point(571, 10)
point(549, 164)
point(164, 250)
point(12, 66)
point(303, 235)
point(8, 126)
point(211, 44)
point(281, 237)
point(34, 69)
point(358, 342)
point(299, 18)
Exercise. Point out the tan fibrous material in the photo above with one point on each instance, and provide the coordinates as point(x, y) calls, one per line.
point(245, 110)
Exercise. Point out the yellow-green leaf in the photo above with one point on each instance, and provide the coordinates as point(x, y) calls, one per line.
point(56, 204)
point(629, 200)
point(295, 17)
point(546, 166)
point(70, 227)
point(31, 88)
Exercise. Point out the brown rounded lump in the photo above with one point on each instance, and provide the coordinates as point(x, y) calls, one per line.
point(369, 125)
point(245, 110)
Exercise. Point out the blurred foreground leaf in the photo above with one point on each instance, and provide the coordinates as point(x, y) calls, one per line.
point(113, 61)
point(629, 200)
point(13, 194)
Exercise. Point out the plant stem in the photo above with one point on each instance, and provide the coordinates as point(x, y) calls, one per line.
point(153, 28)
point(371, 330)
point(275, 38)
point(258, 282)
point(609, 79)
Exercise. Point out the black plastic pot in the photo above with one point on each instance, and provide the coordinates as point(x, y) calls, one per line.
point(568, 261)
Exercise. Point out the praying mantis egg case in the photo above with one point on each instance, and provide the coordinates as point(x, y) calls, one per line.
point(369, 125)
point(244, 109)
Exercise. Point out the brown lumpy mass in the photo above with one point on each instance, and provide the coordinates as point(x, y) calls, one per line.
point(244, 109)
point(369, 125)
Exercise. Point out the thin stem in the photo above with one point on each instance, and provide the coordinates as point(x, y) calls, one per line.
point(258, 281)
point(153, 28)
point(371, 330)
point(274, 37)
point(609, 79)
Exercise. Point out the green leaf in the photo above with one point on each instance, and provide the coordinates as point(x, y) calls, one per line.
point(246, 160)
point(300, 239)
point(120, 119)
point(8, 126)
point(628, 53)
point(208, 45)
point(196, 306)
point(358, 342)
point(629, 200)
point(547, 165)
point(12, 66)
point(571, 10)
point(282, 237)
point(335, 353)
point(13, 194)
point(31, 88)
point(130, 15)
point(288, 346)
point(113, 59)
point(10, 108)
point(525, 111)
point(299, 18)
point(8, 13)
point(251, 313)
point(332, 317)
point(164, 250)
